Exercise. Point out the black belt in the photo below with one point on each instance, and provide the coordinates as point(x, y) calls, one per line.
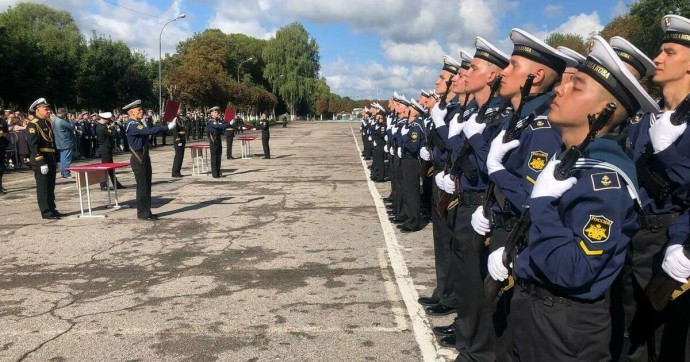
point(549, 297)
point(503, 221)
point(656, 222)
point(408, 156)
point(471, 198)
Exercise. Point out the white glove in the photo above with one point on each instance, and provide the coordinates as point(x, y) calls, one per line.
point(439, 179)
point(179, 145)
point(171, 125)
point(392, 150)
point(399, 152)
point(675, 264)
point(44, 169)
point(448, 184)
point(374, 143)
point(480, 224)
point(663, 133)
point(405, 130)
point(547, 185)
point(369, 138)
point(455, 128)
point(473, 127)
point(425, 154)
point(386, 138)
point(385, 148)
point(498, 271)
point(494, 161)
point(438, 116)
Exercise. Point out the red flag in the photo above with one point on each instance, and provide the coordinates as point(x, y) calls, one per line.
point(171, 108)
point(229, 114)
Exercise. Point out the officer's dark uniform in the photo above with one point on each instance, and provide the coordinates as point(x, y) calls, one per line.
point(411, 143)
point(180, 140)
point(215, 131)
point(85, 129)
point(397, 180)
point(4, 143)
point(265, 135)
point(41, 141)
point(106, 143)
point(378, 166)
point(138, 136)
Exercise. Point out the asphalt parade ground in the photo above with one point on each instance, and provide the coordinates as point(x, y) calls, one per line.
point(287, 259)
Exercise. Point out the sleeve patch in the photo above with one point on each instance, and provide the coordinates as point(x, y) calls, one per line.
point(539, 124)
point(588, 251)
point(414, 136)
point(598, 229)
point(537, 160)
point(32, 130)
point(605, 181)
point(140, 127)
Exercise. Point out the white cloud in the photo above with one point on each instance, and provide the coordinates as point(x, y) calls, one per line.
point(619, 9)
point(583, 24)
point(553, 11)
point(428, 53)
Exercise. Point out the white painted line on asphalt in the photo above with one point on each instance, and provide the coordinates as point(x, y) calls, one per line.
point(203, 330)
point(430, 349)
point(391, 292)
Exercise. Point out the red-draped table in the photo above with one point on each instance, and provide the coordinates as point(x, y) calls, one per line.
point(92, 174)
point(246, 146)
point(199, 158)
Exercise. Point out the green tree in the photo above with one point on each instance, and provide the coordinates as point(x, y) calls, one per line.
point(572, 41)
point(41, 48)
point(623, 26)
point(292, 64)
point(646, 15)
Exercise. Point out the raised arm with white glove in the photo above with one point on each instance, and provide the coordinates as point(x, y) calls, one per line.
point(663, 133)
point(472, 127)
point(455, 127)
point(173, 124)
point(548, 186)
point(494, 161)
point(438, 116)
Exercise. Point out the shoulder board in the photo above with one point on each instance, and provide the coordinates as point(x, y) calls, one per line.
point(540, 122)
point(35, 121)
point(589, 163)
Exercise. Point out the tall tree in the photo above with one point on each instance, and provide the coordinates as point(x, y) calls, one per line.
point(292, 64)
point(572, 41)
point(41, 48)
point(646, 15)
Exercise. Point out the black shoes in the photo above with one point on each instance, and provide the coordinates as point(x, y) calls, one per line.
point(406, 228)
point(398, 219)
point(121, 186)
point(53, 216)
point(152, 217)
point(444, 331)
point(107, 188)
point(439, 309)
point(448, 341)
point(176, 175)
point(427, 301)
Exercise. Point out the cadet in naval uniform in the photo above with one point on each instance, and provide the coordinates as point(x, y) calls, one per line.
point(105, 133)
point(179, 141)
point(41, 141)
point(413, 137)
point(580, 226)
point(660, 150)
point(265, 134)
point(216, 127)
point(138, 135)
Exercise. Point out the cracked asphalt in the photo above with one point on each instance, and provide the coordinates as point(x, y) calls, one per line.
point(282, 259)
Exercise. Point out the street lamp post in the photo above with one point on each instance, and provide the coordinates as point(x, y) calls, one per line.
point(160, 66)
point(240, 66)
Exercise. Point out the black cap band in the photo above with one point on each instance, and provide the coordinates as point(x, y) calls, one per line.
point(632, 60)
point(548, 60)
point(604, 77)
point(451, 68)
point(483, 54)
point(465, 64)
point(677, 37)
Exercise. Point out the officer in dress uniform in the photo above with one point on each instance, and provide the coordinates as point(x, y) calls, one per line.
point(180, 139)
point(105, 133)
point(413, 137)
point(138, 135)
point(229, 137)
point(660, 151)
point(398, 216)
point(216, 127)
point(265, 135)
point(580, 226)
point(513, 166)
point(39, 136)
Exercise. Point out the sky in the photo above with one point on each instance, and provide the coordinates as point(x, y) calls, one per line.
point(368, 48)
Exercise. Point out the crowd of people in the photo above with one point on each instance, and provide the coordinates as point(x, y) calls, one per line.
point(558, 192)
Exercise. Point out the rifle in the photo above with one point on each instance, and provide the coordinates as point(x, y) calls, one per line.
point(682, 113)
point(517, 239)
point(442, 103)
point(481, 240)
point(445, 199)
point(663, 288)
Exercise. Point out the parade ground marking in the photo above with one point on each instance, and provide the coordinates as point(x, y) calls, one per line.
point(431, 350)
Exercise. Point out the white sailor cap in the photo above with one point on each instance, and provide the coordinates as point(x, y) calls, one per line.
point(414, 104)
point(403, 101)
point(425, 93)
point(377, 105)
point(604, 66)
point(41, 102)
point(396, 95)
point(465, 59)
point(579, 58)
point(216, 108)
point(528, 46)
point(677, 29)
point(450, 64)
point(633, 56)
point(490, 53)
point(133, 105)
point(8, 111)
point(106, 115)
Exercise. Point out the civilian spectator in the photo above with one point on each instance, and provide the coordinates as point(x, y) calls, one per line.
point(64, 140)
